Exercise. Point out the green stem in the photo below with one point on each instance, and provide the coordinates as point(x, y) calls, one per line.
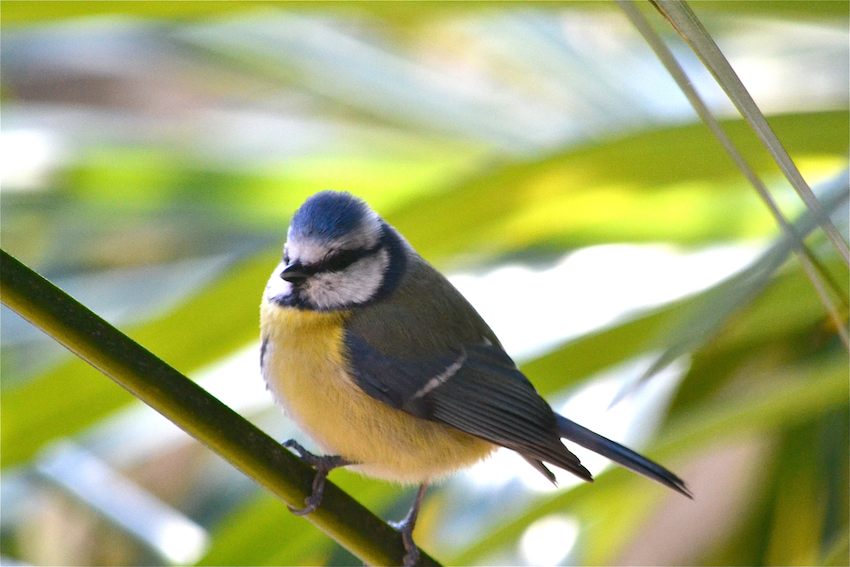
point(807, 260)
point(195, 411)
point(688, 26)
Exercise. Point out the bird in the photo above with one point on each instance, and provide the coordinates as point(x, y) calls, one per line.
point(392, 372)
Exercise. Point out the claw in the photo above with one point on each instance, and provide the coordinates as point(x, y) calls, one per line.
point(323, 464)
point(312, 502)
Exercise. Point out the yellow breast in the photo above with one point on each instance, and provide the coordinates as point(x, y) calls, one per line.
point(306, 370)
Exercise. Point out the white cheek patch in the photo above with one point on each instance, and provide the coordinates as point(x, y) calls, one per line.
point(356, 284)
point(277, 286)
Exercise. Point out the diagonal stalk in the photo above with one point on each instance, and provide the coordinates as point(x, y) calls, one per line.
point(688, 26)
point(803, 254)
point(195, 411)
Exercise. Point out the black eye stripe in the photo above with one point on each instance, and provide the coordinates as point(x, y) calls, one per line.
point(340, 260)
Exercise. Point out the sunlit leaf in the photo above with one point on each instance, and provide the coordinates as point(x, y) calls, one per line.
point(25, 12)
point(691, 29)
point(264, 532)
point(640, 188)
point(715, 308)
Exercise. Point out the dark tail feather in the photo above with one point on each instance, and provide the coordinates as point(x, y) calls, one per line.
point(617, 453)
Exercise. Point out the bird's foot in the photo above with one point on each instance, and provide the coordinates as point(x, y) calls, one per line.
point(323, 464)
point(411, 551)
point(405, 527)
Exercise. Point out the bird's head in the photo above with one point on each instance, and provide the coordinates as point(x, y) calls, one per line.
point(338, 253)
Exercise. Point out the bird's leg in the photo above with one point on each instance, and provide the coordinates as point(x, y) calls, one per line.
point(323, 464)
point(411, 555)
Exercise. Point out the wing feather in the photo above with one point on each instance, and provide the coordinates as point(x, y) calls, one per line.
point(481, 396)
point(424, 350)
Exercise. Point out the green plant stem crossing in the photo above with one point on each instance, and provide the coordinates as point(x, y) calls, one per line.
point(195, 411)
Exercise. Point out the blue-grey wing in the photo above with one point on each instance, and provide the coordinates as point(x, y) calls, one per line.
point(425, 350)
point(475, 389)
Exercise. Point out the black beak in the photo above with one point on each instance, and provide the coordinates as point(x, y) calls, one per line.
point(293, 273)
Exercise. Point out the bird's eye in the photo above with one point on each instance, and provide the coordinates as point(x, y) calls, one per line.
point(285, 257)
point(338, 260)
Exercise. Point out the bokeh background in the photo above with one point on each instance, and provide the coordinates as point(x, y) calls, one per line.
point(152, 154)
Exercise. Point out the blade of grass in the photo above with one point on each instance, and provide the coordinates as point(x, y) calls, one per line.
point(678, 73)
point(688, 26)
point(195, 411)
point(722, 301)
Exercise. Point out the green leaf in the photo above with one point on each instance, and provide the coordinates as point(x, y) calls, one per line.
point(684, 21)
point(243, 537)
point(715, 307)
point(643, 187)
point(72, 396)
point(399, 13)
point(258, 533)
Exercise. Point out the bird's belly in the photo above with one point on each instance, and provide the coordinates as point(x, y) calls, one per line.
point(304, 367)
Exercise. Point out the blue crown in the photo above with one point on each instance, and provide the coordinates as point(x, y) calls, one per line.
point(328, 215)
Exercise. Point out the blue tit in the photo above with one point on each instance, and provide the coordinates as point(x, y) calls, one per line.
point(376, 356)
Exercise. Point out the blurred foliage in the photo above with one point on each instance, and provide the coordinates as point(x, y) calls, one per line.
point(618, 191)
point(23, 11)
point(189, 132)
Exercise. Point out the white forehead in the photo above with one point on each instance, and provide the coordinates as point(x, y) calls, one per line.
point(306, 251)
point(309, 250)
